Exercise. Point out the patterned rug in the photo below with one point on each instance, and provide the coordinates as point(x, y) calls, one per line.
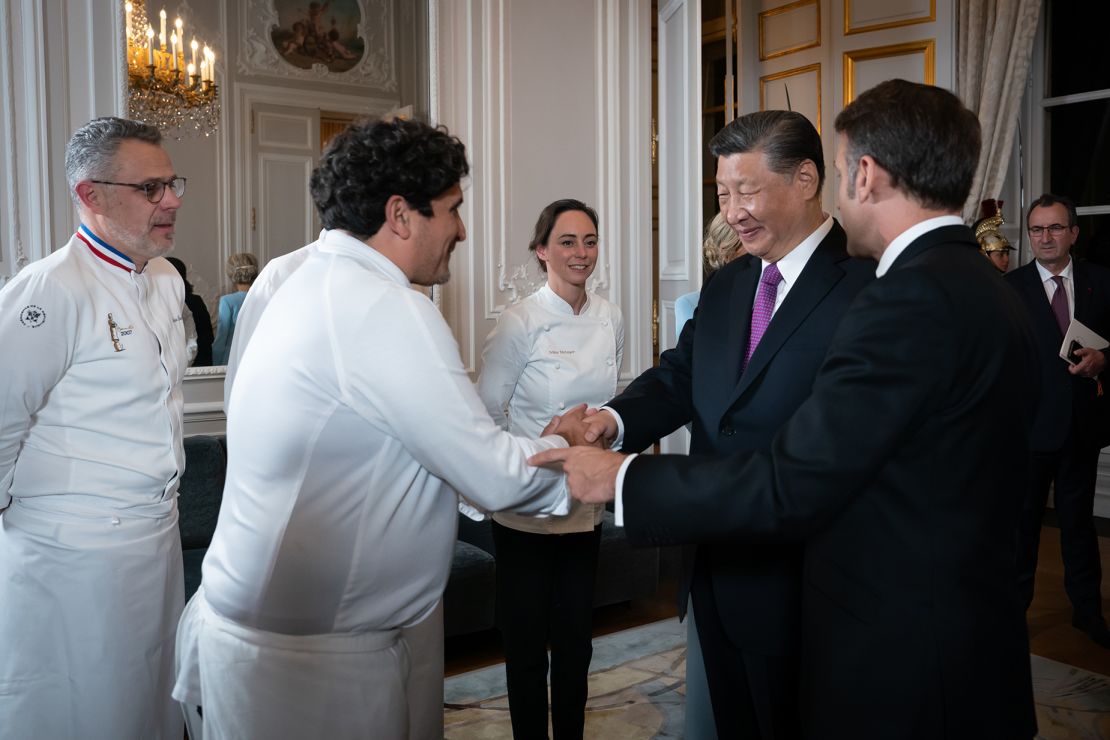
point(637, 683)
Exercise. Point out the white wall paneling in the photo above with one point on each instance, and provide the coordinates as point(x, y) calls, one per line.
point(789, 28)
point(285, 210)
point(862, 16)
point(680, 159)
point(864, 68)
point(680, 145)
point(61, 65)
point(796, 89)
point(861, 43)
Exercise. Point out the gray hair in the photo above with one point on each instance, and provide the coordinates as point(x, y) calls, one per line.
point(92, 148)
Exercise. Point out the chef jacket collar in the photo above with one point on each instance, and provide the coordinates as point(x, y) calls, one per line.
point(551, 300)
point(104, 250)
point(337, 241)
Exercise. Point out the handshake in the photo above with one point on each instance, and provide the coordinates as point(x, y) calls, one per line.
point(584, 426)
point(590, 466)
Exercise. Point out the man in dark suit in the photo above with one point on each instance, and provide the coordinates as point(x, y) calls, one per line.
point(736, 376)
point(911, 625)
point(1068, 431)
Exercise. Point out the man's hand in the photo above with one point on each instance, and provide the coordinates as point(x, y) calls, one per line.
point(1091, 362)
point(571, 426)
point(601, 427)
point(591, 473)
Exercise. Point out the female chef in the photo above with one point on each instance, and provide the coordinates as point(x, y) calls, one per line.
point(559, 347)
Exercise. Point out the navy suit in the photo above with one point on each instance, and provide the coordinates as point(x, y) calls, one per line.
point(902, 475)
point(1065, 440)
point(752, 590)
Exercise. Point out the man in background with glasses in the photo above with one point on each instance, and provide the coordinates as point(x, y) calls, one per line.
point(91, 454)
point(1070, 427)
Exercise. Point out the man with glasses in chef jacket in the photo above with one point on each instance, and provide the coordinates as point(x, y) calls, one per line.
point(91, 455)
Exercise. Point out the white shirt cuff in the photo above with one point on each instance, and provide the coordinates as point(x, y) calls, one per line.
point(619, 441)
point(618, 499)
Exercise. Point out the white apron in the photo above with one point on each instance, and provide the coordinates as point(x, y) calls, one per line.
point(88, 622)
point(424, 687)
point(258, 684)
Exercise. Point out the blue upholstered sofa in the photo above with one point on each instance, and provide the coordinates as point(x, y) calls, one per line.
point(624, 572)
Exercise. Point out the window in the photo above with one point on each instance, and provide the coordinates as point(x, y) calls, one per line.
point(1075, 88)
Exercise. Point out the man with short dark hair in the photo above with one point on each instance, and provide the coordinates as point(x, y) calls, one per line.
point(743, 364)
point(911, 622)
point(1070, 426)
point(352, 429)
point(91, 455)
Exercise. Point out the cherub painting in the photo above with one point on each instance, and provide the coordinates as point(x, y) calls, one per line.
point(324, 32)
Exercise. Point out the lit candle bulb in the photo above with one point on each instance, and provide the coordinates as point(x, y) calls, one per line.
point(206, 65)
point(128, 7)
point(195, 47)
point(191, 70)
point(203, 70)
point(180, 25)
point(149, 46)
point(212, 67)
point(162, 32)
point(173, 48)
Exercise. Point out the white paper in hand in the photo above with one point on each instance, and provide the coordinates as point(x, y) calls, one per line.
point(1077, 337)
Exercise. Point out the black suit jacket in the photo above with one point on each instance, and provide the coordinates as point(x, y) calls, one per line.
point(757, 588)
point(1069, 403)
point(903, 472)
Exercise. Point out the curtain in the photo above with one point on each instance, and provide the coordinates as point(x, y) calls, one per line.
point(993, 49)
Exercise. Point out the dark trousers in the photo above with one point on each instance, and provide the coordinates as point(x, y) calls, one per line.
point(754, 696)
point(545, 596)
point(1072, 471)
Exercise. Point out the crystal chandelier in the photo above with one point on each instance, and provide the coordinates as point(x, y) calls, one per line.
point(166, 87)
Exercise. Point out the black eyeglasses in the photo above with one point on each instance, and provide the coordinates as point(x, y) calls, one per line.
point(154, 190)
point(1054, 229)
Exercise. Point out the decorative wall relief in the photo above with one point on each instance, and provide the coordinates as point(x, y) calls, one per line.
point(345, 42)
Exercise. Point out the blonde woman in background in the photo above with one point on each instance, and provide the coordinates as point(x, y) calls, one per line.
point(242, 269)
point(558, 347)
point(720, 246)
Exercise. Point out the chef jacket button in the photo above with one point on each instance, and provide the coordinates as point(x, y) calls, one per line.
point(609, 361)
point(547, 328)
point(558, 365)
point(115, 521)
point(605, 323)
point(562, 405)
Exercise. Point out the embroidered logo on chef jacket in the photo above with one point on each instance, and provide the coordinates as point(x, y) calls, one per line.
point(115, 331)
point(32, 317)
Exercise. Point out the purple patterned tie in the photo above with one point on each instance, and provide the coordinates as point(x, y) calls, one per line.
point(1060, 305)
point(763, 308)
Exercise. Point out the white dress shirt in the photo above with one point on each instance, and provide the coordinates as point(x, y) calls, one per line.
point(90, 456)
point(541, 360)
point(907, 237)
point(1050, 284)
point(351, 425)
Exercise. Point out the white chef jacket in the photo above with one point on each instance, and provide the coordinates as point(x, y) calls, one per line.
point(273, 275)
point(352, 423)
point(90, 455)
point(424, 641)
point(541, 360)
